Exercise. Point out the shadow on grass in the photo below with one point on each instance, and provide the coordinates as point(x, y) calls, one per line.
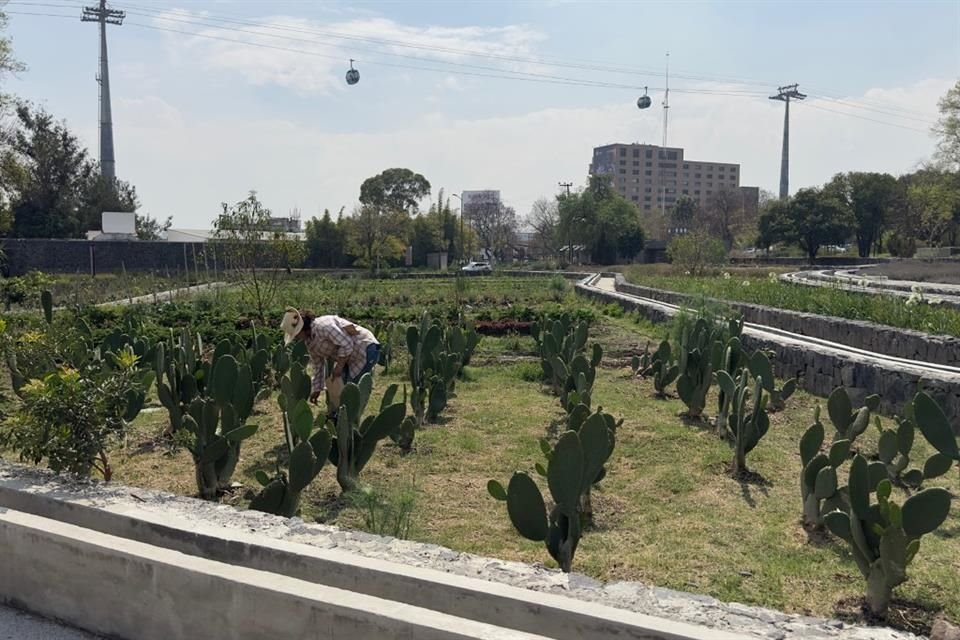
point(329, 507)
point(751, 479)
point(267, 460)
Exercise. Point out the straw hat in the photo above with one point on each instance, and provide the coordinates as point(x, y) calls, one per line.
point(292, 325)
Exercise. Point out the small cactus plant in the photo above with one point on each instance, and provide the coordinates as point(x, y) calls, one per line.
point(748, 418)
point(575, 463)
point(698, 351)
point(355, 440)
point(663, 370)
point(894, 448)
point(885, 537)
point(933, 423)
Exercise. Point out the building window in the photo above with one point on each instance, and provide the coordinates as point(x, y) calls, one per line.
point(668, 165)
point(636, 172)
point(646, 207)
point(649, 153)
point(648, 190)
point(623, 151)
point(709, 184)
point(623, 170)
point(648, 172)
point(634, 198)
point(647, 198)
point(636, 153)
point(671, 155)
point(696, 175)
point(709, 193)
point(722, 169)
point(697, 192)
point(636, 163)
point(686, 166)
point(687, 191)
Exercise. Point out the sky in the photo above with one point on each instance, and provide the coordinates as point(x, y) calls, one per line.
point(212, 99)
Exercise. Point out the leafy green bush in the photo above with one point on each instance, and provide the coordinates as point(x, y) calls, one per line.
point(71, 418)
point(696, 252)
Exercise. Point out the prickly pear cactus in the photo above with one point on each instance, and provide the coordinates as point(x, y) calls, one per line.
point(884, 537)
point(850, 424)
point(819, 485)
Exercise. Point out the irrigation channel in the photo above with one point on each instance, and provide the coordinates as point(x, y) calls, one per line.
point(861, 281)
point(926, 370)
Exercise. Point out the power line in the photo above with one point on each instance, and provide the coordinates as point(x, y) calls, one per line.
point(859, 117)
point(214, 21)
point(496, 73)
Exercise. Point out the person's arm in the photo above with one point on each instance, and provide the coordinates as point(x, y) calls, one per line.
point(318, 384)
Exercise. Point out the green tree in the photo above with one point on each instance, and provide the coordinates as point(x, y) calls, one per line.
point(774, 224)
point(426, 237)
point(8, 62)
point(259, 258)
point(324, 242)
point(544, 218)
point(683, 214)
point(44, 169)
point(871, 198)
point(947, 129)
point(723, 216)
point(99, 194)
point(815, 219)
point(933, 206)
point(395, 190)
point(149, 228)
point(375, 236)
point(599, 218)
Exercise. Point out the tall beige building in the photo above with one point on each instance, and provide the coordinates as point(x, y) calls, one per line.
point(650, 176)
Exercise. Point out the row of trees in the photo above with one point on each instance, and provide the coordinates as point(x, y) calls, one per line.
point(877, 210)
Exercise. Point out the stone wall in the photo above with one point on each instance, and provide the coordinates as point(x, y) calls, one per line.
point(821, 371)
point(900, 343)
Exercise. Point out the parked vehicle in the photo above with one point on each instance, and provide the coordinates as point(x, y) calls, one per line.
point(477, 267)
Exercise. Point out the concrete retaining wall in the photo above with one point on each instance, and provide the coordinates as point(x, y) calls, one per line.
point(120, 588)
point(507, 592)
point(891, 341)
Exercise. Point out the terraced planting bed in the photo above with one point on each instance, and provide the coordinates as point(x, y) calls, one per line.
point(758, 287)
point(668, 511)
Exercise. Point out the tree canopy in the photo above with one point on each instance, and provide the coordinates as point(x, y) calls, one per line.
point(395, 190)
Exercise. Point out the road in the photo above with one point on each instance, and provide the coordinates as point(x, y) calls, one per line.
point(17, 625)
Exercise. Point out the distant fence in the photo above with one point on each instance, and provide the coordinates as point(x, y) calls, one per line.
point(92, 257)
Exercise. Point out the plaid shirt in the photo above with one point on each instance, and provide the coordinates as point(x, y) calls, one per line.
point(329, 340)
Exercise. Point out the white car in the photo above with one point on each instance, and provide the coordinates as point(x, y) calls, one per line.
point(477, 267)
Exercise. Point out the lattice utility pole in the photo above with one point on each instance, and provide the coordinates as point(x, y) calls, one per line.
point(108, 163)
point(784, 94)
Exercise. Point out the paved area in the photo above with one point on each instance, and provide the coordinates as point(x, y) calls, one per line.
point(17, 625)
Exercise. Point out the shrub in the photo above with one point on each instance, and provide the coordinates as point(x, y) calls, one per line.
point(386, 513)
point(696, 252)
point(901, 246)
point(70, 418)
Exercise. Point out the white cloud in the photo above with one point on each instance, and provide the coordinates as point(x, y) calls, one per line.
point(186, 167)
point(307, 56)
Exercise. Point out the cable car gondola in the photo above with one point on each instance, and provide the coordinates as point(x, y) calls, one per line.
point(353, 76)
point(643, 102)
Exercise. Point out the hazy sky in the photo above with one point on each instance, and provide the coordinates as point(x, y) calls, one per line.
point(202, 116)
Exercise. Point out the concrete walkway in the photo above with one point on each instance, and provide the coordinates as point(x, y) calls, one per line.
point(17, 625)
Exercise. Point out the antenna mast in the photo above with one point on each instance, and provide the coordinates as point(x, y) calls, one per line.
point(666, 100)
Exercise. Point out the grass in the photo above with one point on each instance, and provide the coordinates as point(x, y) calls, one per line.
point(757, 288)
point(667, 513)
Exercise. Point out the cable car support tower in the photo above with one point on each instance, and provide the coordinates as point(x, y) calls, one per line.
point(784, 94)
point(105, 16)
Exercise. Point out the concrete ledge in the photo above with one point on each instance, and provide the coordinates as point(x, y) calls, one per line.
point(710, 616)
point(474, 599)
point(127, 589)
